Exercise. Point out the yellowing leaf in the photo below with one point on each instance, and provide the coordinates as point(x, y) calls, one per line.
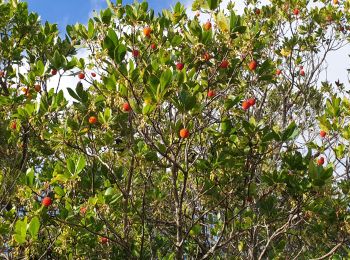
point(240, 246)
point(286, 52)
point(222, 22)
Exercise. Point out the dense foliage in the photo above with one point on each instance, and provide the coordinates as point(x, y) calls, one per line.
point(184, 138)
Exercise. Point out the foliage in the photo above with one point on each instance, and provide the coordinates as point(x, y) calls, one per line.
point(245, 183)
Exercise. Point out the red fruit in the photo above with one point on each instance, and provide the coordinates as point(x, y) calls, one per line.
point(180, 66)
point(93, 74)
point(278, 72)
point(53, 72)
point(211, 93)
point(302, 73)
point(224, 64)
point(252, 65)
point(207, 26)
point(257, 11)
point(153, 46)
point(206, 56)
point(13, 125)
point(245, 105)
point(296, 11)
point(46, 201)
point(2, 73)
point(126, 107)
point(104, 240)
point(320, 161)
point(301, 67)
point(251, 101)
point(92, 120)
point(323, 133)
point(81, 75)
point(135, 53)
point(184, 133)
point(147, 31)
point(83, 210)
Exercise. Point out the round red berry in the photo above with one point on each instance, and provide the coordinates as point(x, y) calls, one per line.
point(47, 201)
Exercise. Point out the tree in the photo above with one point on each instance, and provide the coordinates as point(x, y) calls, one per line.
point(183, 138)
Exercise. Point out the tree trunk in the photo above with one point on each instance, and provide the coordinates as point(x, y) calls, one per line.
point(178, 216)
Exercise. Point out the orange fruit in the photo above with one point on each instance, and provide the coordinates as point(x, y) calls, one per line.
point(92, 120)
point(245, 105)
point(252, 65)
point(184, 133)
point(207, 26)
point(147, 31)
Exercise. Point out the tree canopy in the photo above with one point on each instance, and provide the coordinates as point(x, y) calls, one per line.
point(206, 136)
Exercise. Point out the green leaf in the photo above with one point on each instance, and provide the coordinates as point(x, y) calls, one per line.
point(113, 36)
point(176, 40)
point(91, 29)
point(290, 132)
point(107, 114)
point(30, 177)
point(230, 103)
point(110, 191)
point(144, 6)
point(165, 78)
point(135, 75)
point(120, 53)
point(213, 4)
point(40, 68)
point(71, 166)
point(313, 170)
point(318, 174)
point(109, 45)
point(59, 191)
point(80, 164)
point(33, 228)
point(195, 28)
point(271, 135)
point(327, 173)
point(106, 16)
point(57, 60)
point(154, 82)
point(188, 101)
point(148, 109)
point(83, 95)
point(21, 231)
point(73, 94)
point(226, 126)
point(196, 230)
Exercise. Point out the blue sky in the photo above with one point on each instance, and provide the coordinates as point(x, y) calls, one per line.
point(65, 12)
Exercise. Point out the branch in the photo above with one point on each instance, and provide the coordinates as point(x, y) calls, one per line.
point(330, 252)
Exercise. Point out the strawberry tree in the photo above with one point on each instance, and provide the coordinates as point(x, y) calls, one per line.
point(183, 138)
